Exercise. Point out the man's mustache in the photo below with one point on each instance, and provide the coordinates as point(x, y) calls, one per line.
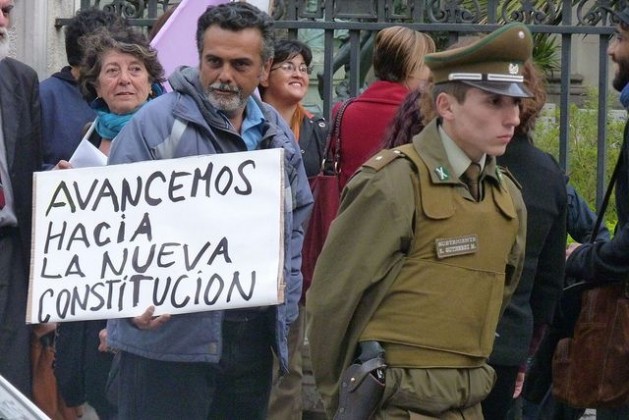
point(224, 87)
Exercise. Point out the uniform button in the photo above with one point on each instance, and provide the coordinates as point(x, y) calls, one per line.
point(213, 348)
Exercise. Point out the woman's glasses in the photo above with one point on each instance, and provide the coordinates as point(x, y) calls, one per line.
point(290, 67)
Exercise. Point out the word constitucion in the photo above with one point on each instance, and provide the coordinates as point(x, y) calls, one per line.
point(131, 249)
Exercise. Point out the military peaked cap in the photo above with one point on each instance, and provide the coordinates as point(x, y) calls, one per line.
point(494, 63)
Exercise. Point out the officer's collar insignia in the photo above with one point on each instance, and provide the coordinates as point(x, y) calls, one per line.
point(442, 173)
point(499, 175)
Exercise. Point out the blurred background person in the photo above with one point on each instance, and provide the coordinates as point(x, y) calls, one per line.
point(285, 89)
point(119, 74)
point(398, 63)
point(65, 112)
point(20, 157)
point(532, 305)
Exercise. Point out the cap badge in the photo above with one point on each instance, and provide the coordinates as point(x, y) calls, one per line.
point(521, 34)
point(442, 173)
point(514, 68)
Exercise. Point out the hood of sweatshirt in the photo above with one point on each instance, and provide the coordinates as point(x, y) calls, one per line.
point(186, 81)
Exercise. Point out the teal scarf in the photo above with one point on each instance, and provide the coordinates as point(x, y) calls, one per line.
point(109, 124)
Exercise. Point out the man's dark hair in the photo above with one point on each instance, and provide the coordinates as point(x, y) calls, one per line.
point(236, 17)
point(86, 22)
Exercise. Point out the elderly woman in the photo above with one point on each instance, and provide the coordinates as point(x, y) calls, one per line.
point(284, 89)
point(119, 74)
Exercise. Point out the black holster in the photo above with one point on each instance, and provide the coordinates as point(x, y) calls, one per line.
point(362, 384)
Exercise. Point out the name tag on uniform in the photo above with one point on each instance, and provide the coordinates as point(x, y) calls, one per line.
point(460, 245)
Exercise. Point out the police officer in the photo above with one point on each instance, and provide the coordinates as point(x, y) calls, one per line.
point(431, 239)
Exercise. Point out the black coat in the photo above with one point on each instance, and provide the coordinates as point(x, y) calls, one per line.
point(533, 303)
point(312, 138)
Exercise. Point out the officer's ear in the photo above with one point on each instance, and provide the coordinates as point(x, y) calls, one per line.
point(443, 106)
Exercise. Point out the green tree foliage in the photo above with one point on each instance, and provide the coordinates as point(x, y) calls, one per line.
point(582, 146)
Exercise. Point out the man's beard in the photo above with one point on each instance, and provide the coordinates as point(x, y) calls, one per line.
point(226, 104)
point(5, 43)
point(622, 74)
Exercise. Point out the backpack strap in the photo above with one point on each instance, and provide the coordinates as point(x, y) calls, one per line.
point(166, 150)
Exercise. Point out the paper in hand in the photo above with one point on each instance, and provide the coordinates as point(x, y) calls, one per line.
point(86, 154)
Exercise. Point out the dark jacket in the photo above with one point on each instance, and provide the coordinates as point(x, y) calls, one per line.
point(312, 137)
point(608, 260)
point(533, 303)
point(21, 116)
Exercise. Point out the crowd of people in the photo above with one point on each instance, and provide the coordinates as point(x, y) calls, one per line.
point(440, 273)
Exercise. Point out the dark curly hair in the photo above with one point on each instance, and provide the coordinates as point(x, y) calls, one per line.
point(126, 41)
point(531, 107)
point(83, 23)
point(236, 17)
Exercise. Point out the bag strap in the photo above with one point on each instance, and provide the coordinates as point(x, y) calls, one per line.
point(166, 150)
point(608, 193)
point(332, 154)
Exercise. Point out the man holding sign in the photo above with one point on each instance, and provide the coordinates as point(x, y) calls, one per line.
point(212, 364)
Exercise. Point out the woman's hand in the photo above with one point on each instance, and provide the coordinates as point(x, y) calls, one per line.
point(63, 164)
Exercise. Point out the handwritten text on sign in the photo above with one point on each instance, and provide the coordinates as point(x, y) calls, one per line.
point(186, 235)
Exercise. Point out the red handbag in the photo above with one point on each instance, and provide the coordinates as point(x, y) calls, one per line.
point(326, 193)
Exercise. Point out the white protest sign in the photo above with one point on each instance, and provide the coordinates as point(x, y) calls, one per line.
point(15, 406)
point(186, 235)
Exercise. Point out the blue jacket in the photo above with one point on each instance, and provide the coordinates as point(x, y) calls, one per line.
point(196, 337)
point(65, 113)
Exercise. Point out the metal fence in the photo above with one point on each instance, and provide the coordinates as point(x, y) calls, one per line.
point(358, 19)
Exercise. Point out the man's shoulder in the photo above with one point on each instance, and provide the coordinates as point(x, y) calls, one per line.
point(18, 68)
point(383, 158)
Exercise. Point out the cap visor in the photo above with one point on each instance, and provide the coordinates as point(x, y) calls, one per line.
point(517, 90)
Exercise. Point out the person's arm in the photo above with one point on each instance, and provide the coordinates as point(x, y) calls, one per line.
point(302, 206)
point(581, 219)
point(366, 241)
point(601, 260)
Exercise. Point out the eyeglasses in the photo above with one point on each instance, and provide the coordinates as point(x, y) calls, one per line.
point(290, 67)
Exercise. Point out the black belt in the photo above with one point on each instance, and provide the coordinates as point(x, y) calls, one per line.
point(6, 231)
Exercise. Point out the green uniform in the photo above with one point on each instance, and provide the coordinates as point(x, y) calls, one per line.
point(412, 261)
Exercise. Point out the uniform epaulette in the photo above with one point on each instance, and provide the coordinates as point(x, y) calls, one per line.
point(505, 171)
point(383, 158)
